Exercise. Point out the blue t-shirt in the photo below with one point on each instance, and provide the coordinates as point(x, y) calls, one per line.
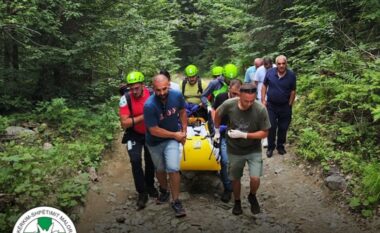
point(279, 89)
point(249, 74)
point(165, 116)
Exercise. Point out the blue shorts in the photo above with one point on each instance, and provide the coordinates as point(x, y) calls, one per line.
point(166, 156)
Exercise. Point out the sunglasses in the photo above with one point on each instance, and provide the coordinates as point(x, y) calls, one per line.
point(248, 90)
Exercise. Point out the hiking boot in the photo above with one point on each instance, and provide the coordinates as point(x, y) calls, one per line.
point(281, 151)
point(269, 153)
point(142, 200)
point(237, 208)
point(255, 207)
point(163, 196)
point(152, 191)
point(226, 196)
point(178, 209)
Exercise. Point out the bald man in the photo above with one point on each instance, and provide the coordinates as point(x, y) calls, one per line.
point(250, 73)
point(162, 112)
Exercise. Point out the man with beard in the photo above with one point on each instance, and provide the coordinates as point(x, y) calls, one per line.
point(132, 117)
point(280, 89)
point(162, 113)
point(248, 124)
point(192, 88)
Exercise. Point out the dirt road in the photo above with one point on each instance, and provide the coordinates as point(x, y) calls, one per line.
point(293, 199)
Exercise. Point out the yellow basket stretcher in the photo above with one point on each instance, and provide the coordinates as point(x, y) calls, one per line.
point(198, 153)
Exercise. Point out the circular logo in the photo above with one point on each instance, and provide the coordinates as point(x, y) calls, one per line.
point(44, 220)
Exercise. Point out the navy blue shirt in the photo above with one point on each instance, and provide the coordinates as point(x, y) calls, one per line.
point(165, 116)
point(279, 89)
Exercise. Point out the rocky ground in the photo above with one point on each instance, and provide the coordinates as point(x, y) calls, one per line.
point(292, 196)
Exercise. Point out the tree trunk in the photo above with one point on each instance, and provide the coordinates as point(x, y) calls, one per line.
point(10, 45)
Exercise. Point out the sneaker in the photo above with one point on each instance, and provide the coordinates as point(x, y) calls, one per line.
point(237, 208)
point(142, 200)
point(163, 196)
point(226, 196)
point(281, 151)
point(269, 153)
point(178, 209)
point(152, 191)
point(255, 207)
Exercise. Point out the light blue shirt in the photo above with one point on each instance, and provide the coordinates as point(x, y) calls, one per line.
point(259, 77)
point(249, 74)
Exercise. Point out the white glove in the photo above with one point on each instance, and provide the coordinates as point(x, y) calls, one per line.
point(217, 135)
point(209, 108)
point(235, 133)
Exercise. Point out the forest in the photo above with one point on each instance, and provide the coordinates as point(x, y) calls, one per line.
point(61, 63)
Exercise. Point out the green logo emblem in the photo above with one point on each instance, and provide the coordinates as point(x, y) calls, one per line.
point(44, 220)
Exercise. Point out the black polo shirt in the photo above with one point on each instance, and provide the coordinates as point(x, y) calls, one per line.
point(279, 89)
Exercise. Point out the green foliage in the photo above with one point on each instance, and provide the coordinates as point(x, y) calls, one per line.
point(354, 202)
point(312, 146)
point(70, 122)
point(67, 53)
point(73, 191)
point(338, 109)
point(371, 182)
point(4, 123)
point(80, 49)
point(34, 176)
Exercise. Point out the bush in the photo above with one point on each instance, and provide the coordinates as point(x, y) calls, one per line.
point(33, 176)
point(336, 121)
point(4, 123)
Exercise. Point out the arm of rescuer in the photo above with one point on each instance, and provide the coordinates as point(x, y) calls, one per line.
point(217, 119)
point(260, 134)
point(210, 87)
point(257, 134)
point(128, 121)
point(183, 119)
point(292, 97)
point(263, 94)
point(179, 136)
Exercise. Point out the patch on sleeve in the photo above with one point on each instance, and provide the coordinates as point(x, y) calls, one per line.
point(123, 102)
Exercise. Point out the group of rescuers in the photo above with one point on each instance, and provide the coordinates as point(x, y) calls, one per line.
point(260, 107)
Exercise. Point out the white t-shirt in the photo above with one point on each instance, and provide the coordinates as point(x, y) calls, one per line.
point(259, 77)
point(174, 86)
